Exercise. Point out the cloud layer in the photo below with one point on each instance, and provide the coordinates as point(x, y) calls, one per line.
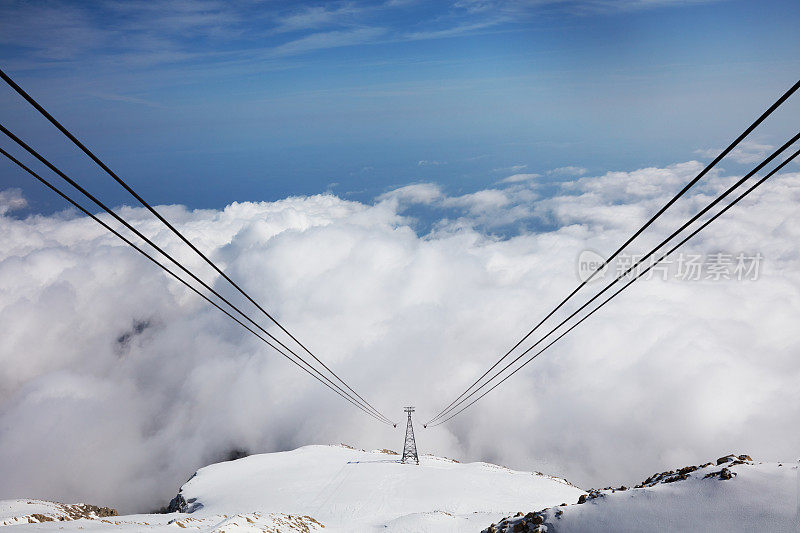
point(116, 383)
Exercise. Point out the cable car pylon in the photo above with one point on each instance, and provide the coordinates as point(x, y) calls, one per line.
point(410, 446)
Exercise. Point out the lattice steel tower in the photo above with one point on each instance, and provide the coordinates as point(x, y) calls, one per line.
point(410, 446)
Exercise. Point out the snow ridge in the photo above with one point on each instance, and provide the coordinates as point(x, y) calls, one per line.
point(733, 493)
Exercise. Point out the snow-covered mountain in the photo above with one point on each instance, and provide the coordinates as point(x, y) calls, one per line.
point(732, 493)
point(340, 488)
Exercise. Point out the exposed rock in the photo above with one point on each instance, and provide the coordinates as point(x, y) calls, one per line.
point(534, 522)
point(722, 474)
point(46, 511)
point(266, 522)
point(177, 504)
point(519, 523)
point(82, 510)
point(389, 452)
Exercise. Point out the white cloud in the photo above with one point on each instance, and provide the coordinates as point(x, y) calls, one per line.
point(568, 171)
point(512, 168)
point(479, 202)
point(645, 182)
point(418, 193)
point(519, 178)
point(746, 153)
point(116, 383)
point(11, 200)
point(427, 163)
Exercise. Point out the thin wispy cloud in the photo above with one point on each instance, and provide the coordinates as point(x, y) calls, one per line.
point(153, 33)
point(512, 168)
point(128, 99)
point(516, 8)
point(519, 178)
point(454, 31)
point(315, 17)
point(325, 40)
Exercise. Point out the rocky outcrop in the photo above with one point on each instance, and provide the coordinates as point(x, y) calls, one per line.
point(537, 522)
point(38, 511)
point(179, 504)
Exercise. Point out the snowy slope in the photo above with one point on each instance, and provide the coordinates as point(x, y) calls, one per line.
point(357, 490)
point(345, 490)
point(338, 489)
point(746, 496)
point(37, 515)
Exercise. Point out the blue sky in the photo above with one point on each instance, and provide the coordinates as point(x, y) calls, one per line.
point(204, 103)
